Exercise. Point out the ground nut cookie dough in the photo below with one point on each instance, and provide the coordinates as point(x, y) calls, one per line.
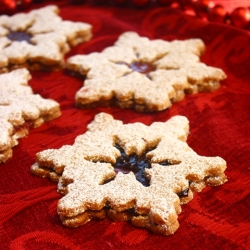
point(38, 39)
point(130, 172)
point(20, 110)
point(147, 75)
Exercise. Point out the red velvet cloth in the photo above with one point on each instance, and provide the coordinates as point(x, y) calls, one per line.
point(217, 218)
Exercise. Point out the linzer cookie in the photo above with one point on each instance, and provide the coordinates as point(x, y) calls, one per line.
point(38, 39)
point(20, 110)
point(147, 75)
point(129, 172)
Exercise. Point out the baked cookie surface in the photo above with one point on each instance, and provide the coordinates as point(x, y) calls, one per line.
point(129, 172)
point(147, 75)
point(20, 110)
point(38, 39)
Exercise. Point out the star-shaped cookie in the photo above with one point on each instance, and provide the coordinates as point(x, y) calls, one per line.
point(129, 172)
point(20, 110)
point(147, 75)
point(38, 39)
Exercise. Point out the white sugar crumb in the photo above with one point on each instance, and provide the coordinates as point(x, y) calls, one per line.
point(92, 188)
point(20, 110)
point(147, 75)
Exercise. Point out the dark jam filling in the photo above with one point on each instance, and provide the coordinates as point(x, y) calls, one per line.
point(141, 67)
point(137, 164)
point(183, 193)
point(27, 125)
point(19, 36)
point(75, 74)
point(126, 163)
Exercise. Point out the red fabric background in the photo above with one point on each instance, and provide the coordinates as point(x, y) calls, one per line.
point(217, 218)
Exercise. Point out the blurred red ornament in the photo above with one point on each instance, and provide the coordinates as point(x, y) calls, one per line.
point(185, 3)
point(217, 14)
point(23, 4)
point(7, 6)
point(140, 3)
point(78, 1)
point(101, 1)
point(240, 17)
point(121, 2)
point(166, 2)
point(202, 7)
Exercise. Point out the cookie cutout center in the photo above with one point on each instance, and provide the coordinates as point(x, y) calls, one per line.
point(137, 164)
point(142, 67)
point(19, 36)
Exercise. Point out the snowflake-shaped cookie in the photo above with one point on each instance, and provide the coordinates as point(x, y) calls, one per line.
point(129, 172)
point(38, 39)
point(147, 75)
point(20, 110)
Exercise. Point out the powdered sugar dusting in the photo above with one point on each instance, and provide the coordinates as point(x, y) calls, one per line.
point(91, 187)
point(20, 109)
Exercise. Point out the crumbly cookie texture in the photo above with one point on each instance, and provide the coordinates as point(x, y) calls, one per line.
point(20, 110)
point(147, 75)
point(38, 39)
point(131, 172)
